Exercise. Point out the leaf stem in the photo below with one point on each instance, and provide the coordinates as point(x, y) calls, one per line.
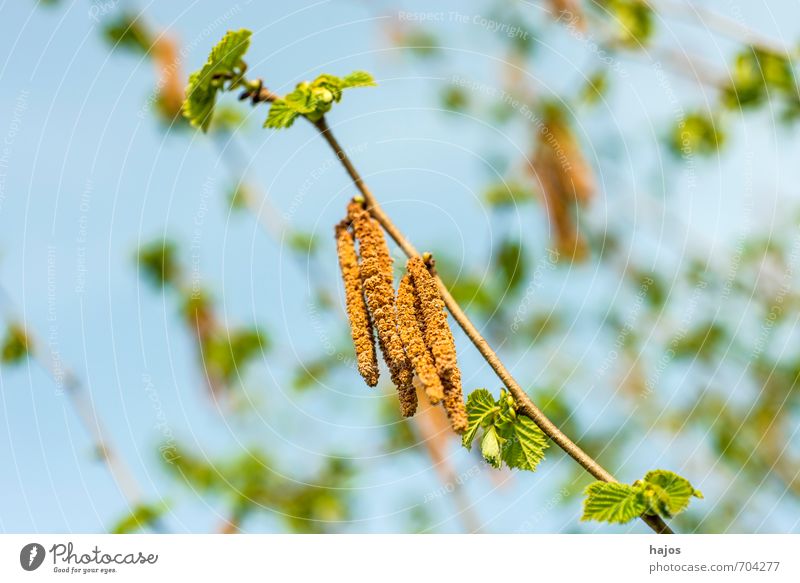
point(527, 407)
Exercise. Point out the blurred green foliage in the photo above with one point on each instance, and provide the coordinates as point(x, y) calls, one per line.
point(227, 351)
point(697, 133)
point(635, 21)
point(127, 31)
point(756, 75)
point(158, 262)
point(508, 194)
point(140, 518)
point(16, 344)
point(250, 484)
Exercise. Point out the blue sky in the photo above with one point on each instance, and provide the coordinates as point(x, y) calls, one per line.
point(90, 175)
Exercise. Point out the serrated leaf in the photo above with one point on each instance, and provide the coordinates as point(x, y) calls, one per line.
point(313, 99)
point(301, 100)
point(525, 449)
point(330, 83)
point(280, 116)
point(225, 59)
point(357, 79)
point(613, 502)
point(669, 493)
point(480, 405)
point(491, 447)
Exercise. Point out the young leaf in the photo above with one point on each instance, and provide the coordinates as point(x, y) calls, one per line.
point(669, 493)
point(224, 61)
point(525, 448)
point(491, 447)
point(480, 405)
point(358, 79)
point(313, 99)
point(280, 116)
point(613, 502)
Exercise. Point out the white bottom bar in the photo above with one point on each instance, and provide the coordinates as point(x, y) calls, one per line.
point(382, 558)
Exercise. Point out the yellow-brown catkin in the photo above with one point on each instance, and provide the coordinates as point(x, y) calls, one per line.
point(411, 334)
point(439, 340)
point(377, 281)
point(454, 400)
point(434, 319)
point(357, 313)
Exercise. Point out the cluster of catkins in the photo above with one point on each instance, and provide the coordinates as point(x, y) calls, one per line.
point(411, 325)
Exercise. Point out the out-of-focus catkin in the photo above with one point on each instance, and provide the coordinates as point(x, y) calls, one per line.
point(357, 313)
point(377, 281)
point(439, 340)
point(412, 336)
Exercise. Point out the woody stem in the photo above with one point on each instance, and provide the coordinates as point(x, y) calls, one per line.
point(527, 407)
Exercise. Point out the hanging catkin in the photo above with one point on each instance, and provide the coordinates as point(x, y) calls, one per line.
point(439, 340)
point(377, 282)
point(454, 400)
point(434, 320)
point(360, 321)
point(411, 334)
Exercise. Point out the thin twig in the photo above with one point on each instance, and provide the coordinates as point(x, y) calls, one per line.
point(527, 407)
point(724, 25)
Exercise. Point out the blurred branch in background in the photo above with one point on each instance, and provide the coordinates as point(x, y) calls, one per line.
point(20, 345)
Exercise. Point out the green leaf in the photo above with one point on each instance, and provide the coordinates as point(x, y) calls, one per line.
point(613, 502)
point(301, 99)
point(660, 492)
point(491, 447)
point(669, 493)
point(525, 449)
point(224, 61)
point(313, 99)
point(358, 79)
point(280, 116)
point(480, 406)
point(327, 88)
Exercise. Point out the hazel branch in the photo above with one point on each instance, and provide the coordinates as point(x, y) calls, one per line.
point(527, 407)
